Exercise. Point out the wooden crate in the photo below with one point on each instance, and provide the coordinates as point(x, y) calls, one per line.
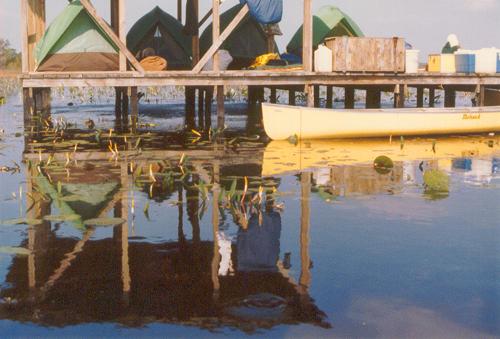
point(386, 55)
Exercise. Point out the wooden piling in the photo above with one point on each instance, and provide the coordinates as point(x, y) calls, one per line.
point(480, 95)
point(209, 97)
point(220, 108)
point(190, 107)
point(449, 97)
point(134, 108)
point(420, 97)
point(349, 97)
point(373, 98)
point(291, 97)
point(273, 96)
point(28, 105)
point(399, 96)
point(329, 97)
point(432, 97)
point(309, 89)
point(201, 107)
point(316, 96)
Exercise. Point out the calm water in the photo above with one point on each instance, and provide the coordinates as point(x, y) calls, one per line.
point(319, 244)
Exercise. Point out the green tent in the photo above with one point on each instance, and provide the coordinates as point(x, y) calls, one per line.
point(163, 33)
point(247, 41)
point(328, 22)
point(74, 42)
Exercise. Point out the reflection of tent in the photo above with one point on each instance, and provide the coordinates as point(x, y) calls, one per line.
point(171, 283)
point(86, 194)
point(74, 42)
point(163, 33)
point(328, 22)
point(259, 245)
point(247, 41)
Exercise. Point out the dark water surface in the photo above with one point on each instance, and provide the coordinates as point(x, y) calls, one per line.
point(320, 244)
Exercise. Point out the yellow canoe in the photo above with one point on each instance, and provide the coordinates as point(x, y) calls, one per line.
point(283, 157)
point(282, 122)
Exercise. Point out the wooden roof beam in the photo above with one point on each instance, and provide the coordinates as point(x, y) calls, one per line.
point(111, 34)
point(217, 43)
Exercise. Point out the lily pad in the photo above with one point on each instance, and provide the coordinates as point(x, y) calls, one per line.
point(383, 164)
point(14, 250)
point(62, 218)
point(436, 181)
point(22, 221)
point(104, 222)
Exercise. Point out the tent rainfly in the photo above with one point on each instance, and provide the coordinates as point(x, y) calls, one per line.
point(329, 22)
point(75, 42)
point(163, 33)
point(246, 42)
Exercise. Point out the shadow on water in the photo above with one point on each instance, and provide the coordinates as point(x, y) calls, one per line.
point(97, 201)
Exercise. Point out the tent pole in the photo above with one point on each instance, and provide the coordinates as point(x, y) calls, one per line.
point(179, 10)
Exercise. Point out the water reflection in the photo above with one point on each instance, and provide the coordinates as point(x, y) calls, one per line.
point(240, 274)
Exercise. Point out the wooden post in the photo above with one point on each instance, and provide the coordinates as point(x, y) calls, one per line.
point(125, 104)
point(179, 10)
point(33, 19)
point(220, 108)
point(373, 98)
point(420, 97)
point(449, 97)
point(190, 94)
point(432, 97)
point(399, 96)
point(349, 97)
point(195, 40)
point(118, 106)
point(134, 108)
point(126, 280)
point(209, 96)
point(480, 95)
point(24, 37)
point(316, 96)
point(273, 97)
point(329, 97)
point(309, 89)
point(307, 38)
point(28, 105)
point(291, 97)
point(305, 225)
point(201, 107)
point(215, 226)
point(118, 26)
point(216, 65)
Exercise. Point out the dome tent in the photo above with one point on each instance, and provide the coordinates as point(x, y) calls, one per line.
point(246, 42)
point(163, 33)
point(329, 22)
point(75, 42)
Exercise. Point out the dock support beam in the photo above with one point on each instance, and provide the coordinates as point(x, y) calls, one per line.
point(373, 98)
point(420, 97)
point(291, 97)
point(220, 108)
point(310, 96)
point(349, 97)
point(399, 96)
point(201, 107)
point(273, 96)
point(329, 97)
point(432, 97)
point(480, 95)
point(449, 97)
point(134, 108)
point(190, 106)
point(316, 96)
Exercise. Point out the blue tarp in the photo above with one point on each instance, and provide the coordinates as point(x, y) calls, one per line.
point(265, 11)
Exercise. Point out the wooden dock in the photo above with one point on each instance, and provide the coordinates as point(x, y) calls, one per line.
point(131, 75)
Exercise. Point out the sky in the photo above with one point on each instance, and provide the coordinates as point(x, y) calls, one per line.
point(423, 23)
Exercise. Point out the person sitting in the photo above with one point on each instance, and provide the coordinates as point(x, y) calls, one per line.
point(452, 45)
